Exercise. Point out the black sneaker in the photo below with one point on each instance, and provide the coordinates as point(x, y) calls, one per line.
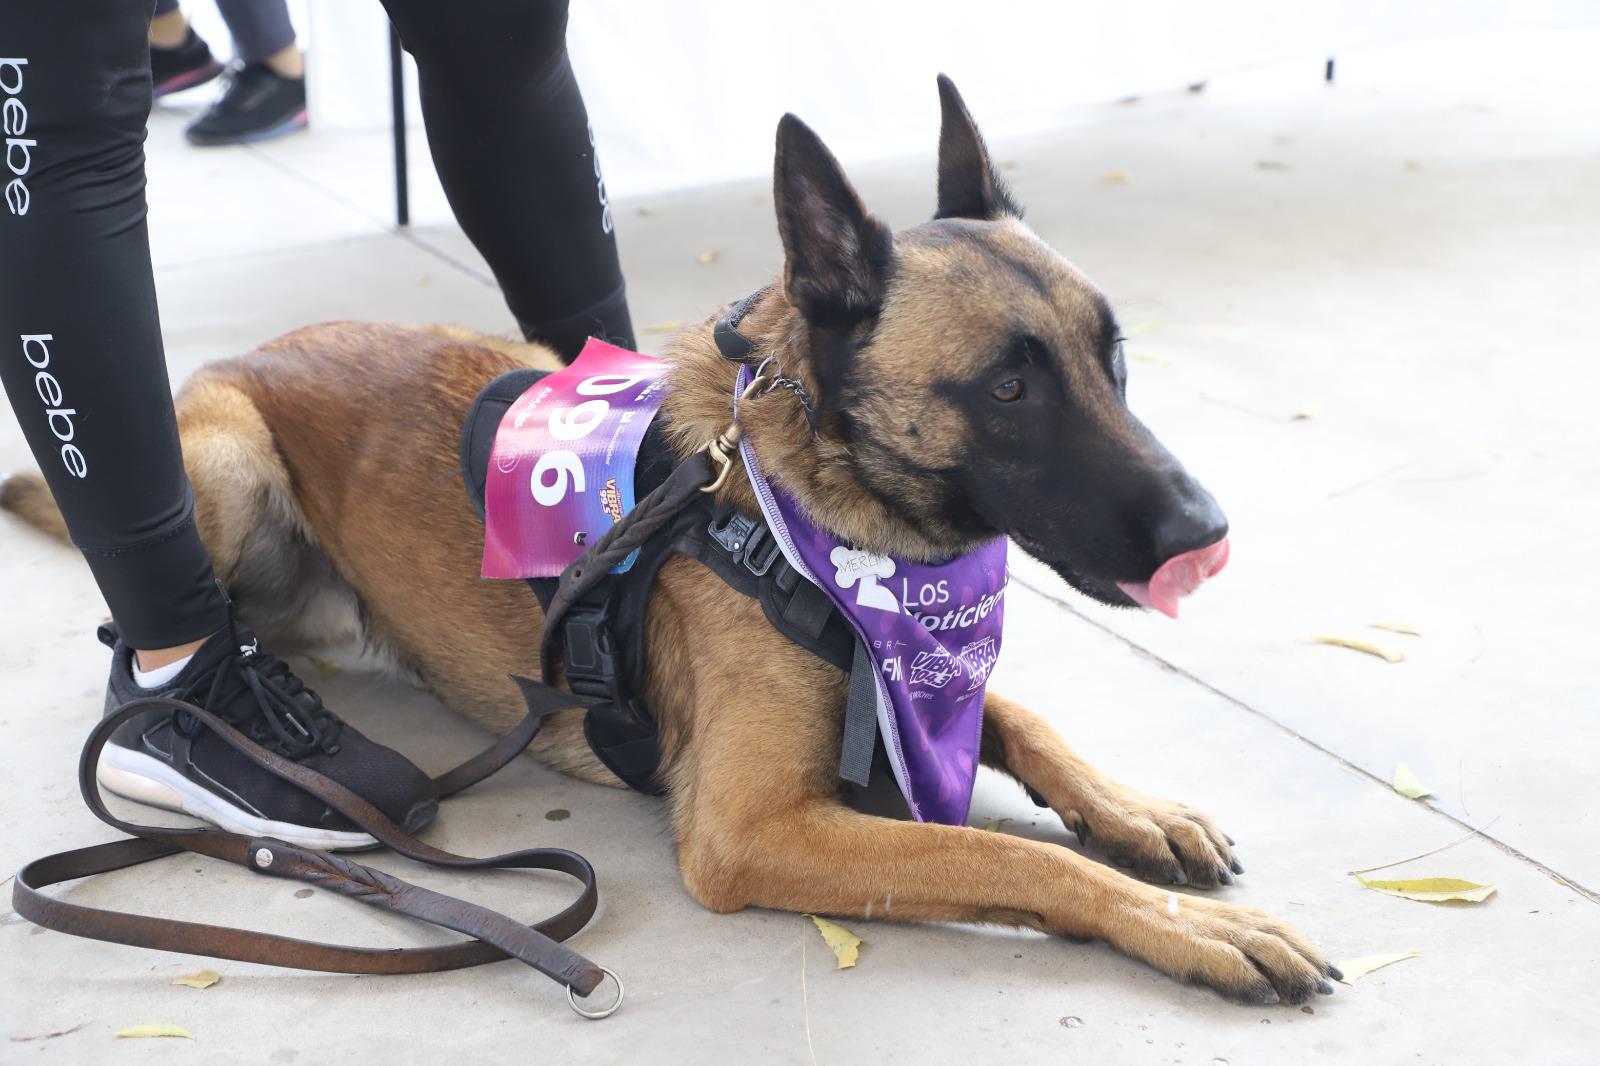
point(168, 759)
point(257, 106)
point(175, 69)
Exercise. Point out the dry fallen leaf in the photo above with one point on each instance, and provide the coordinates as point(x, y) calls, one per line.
point(1355, 969)
point(1115, 177)
point(159, 1029)
point(1433, 889)
point(994, 826)
point(1397, 627)
point(198, 979)
point(709, 256)
point(670, 326)
point(1407, 784)
point(326, 667)
point(841, 941)
point(1356, 644)
point(1307, 413)
point(46, 1036)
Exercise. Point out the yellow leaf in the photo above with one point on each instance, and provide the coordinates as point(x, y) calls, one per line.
point(1355, 969)
point(198, 979)
point(1307, 413)
point(671, 326)
point(1398, 627)
point(994, 826)
point(1355, 644)
point(1407, 784)
point(1433, 889)
point(159, 1029)
point(709, 256)
point(326, 667)
point(841, 941)
point(1115, 177)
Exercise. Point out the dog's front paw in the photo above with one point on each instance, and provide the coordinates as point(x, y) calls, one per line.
point(1164, 842)
point(1243, 953)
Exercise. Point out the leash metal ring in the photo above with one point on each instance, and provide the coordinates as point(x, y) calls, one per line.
point(603, 1012)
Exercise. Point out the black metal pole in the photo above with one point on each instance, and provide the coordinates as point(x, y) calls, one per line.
point(1327, 71)
point(397, 99)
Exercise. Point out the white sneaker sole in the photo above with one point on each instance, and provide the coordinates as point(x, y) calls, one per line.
point(145, 779)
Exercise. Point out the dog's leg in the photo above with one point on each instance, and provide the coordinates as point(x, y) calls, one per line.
point(816, 855)
point(1162, 841)
point(261, 547)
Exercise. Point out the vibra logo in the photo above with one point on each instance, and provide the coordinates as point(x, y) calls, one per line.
point(14, 121)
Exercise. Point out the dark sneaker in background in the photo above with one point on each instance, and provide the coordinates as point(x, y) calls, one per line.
point(257, 105)
point(168, 759)
point(175, 69)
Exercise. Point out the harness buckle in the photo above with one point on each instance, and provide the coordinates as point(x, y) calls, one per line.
point(590, 660)
point(748, 540)
point(761, 552)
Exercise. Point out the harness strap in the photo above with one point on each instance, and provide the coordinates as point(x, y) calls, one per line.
point(584, 573)
point(860, 720)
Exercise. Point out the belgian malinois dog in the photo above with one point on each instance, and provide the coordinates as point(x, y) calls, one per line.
point(967, 381)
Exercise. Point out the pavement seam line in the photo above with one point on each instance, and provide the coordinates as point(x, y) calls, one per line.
point(1144, 652)
point(404, 232)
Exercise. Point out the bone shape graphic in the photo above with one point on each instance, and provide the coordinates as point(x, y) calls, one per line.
point(852, 566)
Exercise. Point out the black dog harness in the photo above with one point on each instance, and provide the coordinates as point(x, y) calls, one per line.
point(603, 630)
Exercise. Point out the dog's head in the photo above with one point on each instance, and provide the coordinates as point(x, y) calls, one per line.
point(976, 382)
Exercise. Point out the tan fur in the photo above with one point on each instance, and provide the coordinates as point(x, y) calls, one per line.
point(331, 455)
point(27, 497)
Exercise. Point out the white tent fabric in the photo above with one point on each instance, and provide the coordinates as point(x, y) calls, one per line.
point(686, 93)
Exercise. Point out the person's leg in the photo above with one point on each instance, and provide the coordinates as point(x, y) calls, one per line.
point(179, 58)
point(168, 27)
point(512, 144)
point(262, 33)
point(267, 96)
point(82, 364)
point(82, 361)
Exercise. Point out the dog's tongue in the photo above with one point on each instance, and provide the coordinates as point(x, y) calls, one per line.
point(1178, 576)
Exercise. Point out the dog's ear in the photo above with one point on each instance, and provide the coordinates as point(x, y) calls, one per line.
point(836, 255)
point(968, 185)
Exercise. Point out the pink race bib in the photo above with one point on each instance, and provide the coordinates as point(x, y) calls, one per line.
point(561, 470)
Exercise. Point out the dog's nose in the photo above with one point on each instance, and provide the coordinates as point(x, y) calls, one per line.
point(1197, 522)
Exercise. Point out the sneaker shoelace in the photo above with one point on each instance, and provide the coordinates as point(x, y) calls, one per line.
point(242, 82)
point(283, 714)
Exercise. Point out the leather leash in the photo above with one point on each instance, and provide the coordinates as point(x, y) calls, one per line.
point(494, 935)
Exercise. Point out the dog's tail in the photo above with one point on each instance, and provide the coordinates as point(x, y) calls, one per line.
point(27, 497)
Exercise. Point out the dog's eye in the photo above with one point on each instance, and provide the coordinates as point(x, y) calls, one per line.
point(1007, 391)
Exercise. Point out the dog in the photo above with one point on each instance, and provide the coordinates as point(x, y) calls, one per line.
point(964, 381)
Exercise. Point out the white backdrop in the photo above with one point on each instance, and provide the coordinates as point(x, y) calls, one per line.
point(688, 92)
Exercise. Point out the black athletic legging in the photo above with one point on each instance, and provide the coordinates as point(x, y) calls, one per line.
point(80, 341)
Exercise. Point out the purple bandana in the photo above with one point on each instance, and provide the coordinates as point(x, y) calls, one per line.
point(933, 633)
point(561, 470)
